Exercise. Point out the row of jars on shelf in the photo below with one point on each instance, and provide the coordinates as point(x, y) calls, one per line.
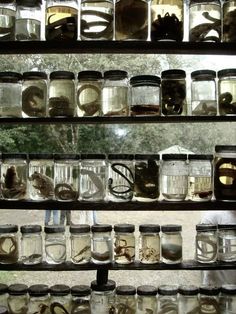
point(33, 94)
point(118, 20)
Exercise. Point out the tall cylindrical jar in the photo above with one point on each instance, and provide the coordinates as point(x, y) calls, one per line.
point(7, 19)
point(60, 297)
point(80, 244)
point(188, 299)
point(206, 247)
point(9, 249)
point(227, 91)
point(209, 299)
point(149, 244)
point(103, 297)
point(167, 299)
point(3, 294)
point(125, 301)
point(229, 25)
point(146, 299)
point(55, 244)
point(101, 244)
point(171, 244)
point(38, 299)
point(124, 243)
point(227, 242)
point(18, 299)
point(80, 299)
point(227, 299)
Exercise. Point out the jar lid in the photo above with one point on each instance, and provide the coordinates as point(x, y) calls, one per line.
point(188, 290)
point(101, 228)
point(227, 227)
point(168, 290)
point(11, 77)
point(60, 75)
point(200, 157)
point(228, 289)
point(89, 75)
point(174, 157)
point(209, 290)
point(225, 148)
point(115, 75)
point(145, 80)
point(147, 290)
point(175, 74)
point(226, 72)
point(35, 156)
point(171, 228)
point(109, 286)
point(93, 156)
point(29, 3)
point(80, 290)
point(124, 228)
point(60, 290)
point(7, 1)
point(3, 310)
point(66, 156)
point(120, 157)
point(126, 290)
point(8, 228)
point(3, 288)
point(147, 156)
point(149, 228)
point(54, 229)
point(30, 229)
point(203, 74)
point(80, 228)
point(38, 290)
point(34, 75)
point(206, 227)
point(17, 289)
point(14, 156)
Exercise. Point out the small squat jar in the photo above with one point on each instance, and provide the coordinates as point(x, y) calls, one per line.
point(55, 244)
point(188, 299)
point(171, 244)
point(7, 19)
point(227, 242)
point(39, 299)
point(149, 244)
point(18, 299)
point(80, 244)
point(227, 299)
point(209, 300)
point(60, 298)
point(3, 295)
point(80, 299)
point(101, 244)
point(227, 92)
point(124, 243)
point(125, 299)
point(167, 299)
point(229, 25)
point(103, 297)
point(146, 299)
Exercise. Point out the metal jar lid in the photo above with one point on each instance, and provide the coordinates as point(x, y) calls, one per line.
point(227, 226)
point(93, 156)
point(206, 227)
point(145, 80)
point(126, 290)
point(168, 290)
point(228, 289)
point(129, 228)
point(34, 75)
point(120, 157)
point(174, 157)
point(115, 75)
point(10, 77)
point(80, 290)
point(82, 228)
point(109, 286)
point(3, 288)
point(149, 228)
point(202, 75)
point(101, 228)
point(225, 148)
point(59, 290)
point(40, 156)
point(188, 290)
point(30, 229)
point(147, 157)
point(8, 228)
point(226, 72)
point(89, 75)
point(6, 156)
point(38, 290)
point(173, 74)
point(171, 228)
point(209, 290)
point(200, 157)
point(62, 75)
point(66, 157)
point(147, 290)
point(54, 229)
point(17, 289)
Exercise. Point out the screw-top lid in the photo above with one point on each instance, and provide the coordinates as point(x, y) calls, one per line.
point(206, 227)
point(59, 290)
point(83, 228)
point(36, 156)
point(80, 290)
point(147, 290)
point(3, 310)
point(66, 156)
point(174, 157)
point(188, 290)
point(54, 229)
point(147, 156)
point(209, 290)
point(203, 74)
point(227, 227)
point(30, 229)
point(3, 288)
point(145, 80)
point(89, 75)
point(173, 74)
point(228, 289)
point(226, 72)
point(120, 157)
point(101, 228)
point(38, 290)
point(149, 228)
point(60, 75)
point(225, 148)
point(93, 156)
point(125, 290)
point(17, 289)
point(171, 228)
point(115, 75)
point(34, 75)
point(8, 228)
point(14, 156)
point(168, 289)
point(29, 3)
point(11, 77)
point(124, 228)
point(109, 286)
point(200, 157)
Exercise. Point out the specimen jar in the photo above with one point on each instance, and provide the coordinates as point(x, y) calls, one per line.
point(124, 243)
point(225, 172)
point(41, 177)
point(28, 20)
point(131, 20)
point(61, 102)
point(60, 299)
point(209, 299)
point(89, 93)
point(80, 244)
point(125, 301)
point(14, 176)
point(146, 299)
point(9, 250)
point(203, 93)
point(80, 299)
point(3, 294)
point(3, 310)
point(103, 297)
point(55, 244)
point(200, 177)
point(227, 91)
point(31, 244)
point(167, 300)
point(229, 21)
point(61, 20)
point(171, 244)
point(7, 19)
point(149, 244)
point(205, 20)
point(167, 20)
point(115, 93)
point(96, 19)
point(66, 177)
point(174, 177)
point(18, 299)
point(206, 247)
point(39, 299)
point(227, 242)
point(227, 299)
point(120, 185)
point(173, 92)
point(10, 94)
point(188, 299)
point(34, 94)
point(101, 244)
point(93, 177)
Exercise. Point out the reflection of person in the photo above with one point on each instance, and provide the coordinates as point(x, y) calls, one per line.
point(65, 214)
point(219, 277)
point(55, 216)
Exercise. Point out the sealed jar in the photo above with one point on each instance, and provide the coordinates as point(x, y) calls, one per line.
point(200, 177)
point(89, 92)
point(66, 177)
point(125, 299)
point(174, 177)
point(227, 299)
point(7, 19)
point(61, 102)
point(167, 300)
point(14, 176)
point(188, 299)
point(96, 20)
point(224, 172)
point(227, 91)
point(146, 299)
point(18, 299)
point(103, 297)
point(61, 20)
point(60, 299)
point(9, 250)
point(10, 94)
point(124, 243)
point(229, 25)
point(3, 295)
point(120, 186)
point(34, 94)
point(41, 177)
point(31, 244)
point(167, 20)
point(39, 299)
point(205, 20)
point(93, 177)
point(3, 310)
point(28, 20)
point(55, 244)
point(80, 244)
point(206, 247)
point(171, 244)
point(101, 244)
point(149, 243)
point(227, 242)
point(209, 299)
point(115, 93)
point(80, 299)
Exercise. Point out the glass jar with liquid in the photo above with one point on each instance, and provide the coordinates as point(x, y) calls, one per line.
point(103, 297)
point(101, 244)
point(7, 19)
point(3, 294)
point(206, 243)
point(55, 244)
point(227, 91)
point(80, 244)
point(124, 243)
point(171, 244)
point(209, 299)
point(39, 299)
point(60, 298)
point(167, 299)
point(9, 250)
point(227, 299)
point(18, 299)
point(188, 299)
point(149, 243)
point(80, 299)
point(146, 299)
point(125, 299)
point(226, 242)
point(229, 26)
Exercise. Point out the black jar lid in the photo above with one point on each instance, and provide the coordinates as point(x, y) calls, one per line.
point(171, 228)
point(34, 75)
point(17, 289)
point(168, 289)
point(41, 156)
point(202, 1)
point(3, 310)
point(14, 156)
point(10, 77)
point(188, 290)
point(60, 290)
point(101, 228)
point(8, 228)
point(3, 288)
point(147, 156)
point(120, 157)
point(149, 228)
point(145, 80)
point(174, 156)
point(66, 156)
point(200, 157)
point(206, 227)
point(225, 148)
point(226, 72)
point(38, 290)
point(228, 289)
point(129, 228)
point(29, 3)
point(80, 290)
point(203, 74)
point(109, 286)
point(54, 229)
point(227, 226)
point(115, 75)
point(89, 75)
point(125, 290)
point(61, 75)
point(80, 228)
point(147, 290)
point(7, 1)
point(209, 290)
point(173, 74)
point(30, 229)
point(93, 156)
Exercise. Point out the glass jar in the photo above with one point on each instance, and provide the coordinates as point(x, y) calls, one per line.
point(171, 244)
point(41, 177)
point(28, 20)
point(10, 94)
point(61, 102)
point(203, 93)
point(96, 20)
point(61, 20)
point(167, 299)
point(227, 299)
point(9, 250)
point(205, 20)
point(39, 299)
point(149, 244)
point(227, 242)
point(120, 186)
point(103, 297)
point(115, 93)
point(200, 183)
point(18, 299)
point(89, 91)
point(80, 244)
point(206, 247)
point(174, 177)
point(93, 177)
point(14, 176)
point(167, 20)
point(3, 310)
point(101, 244)
point(209, 300)
point(55, 244)
point(3, 294)
point(80, 299)
point(124, 243)
point(125, 299)
point(224, 172)
point(31, 244)
point(188, 299)
point(131, 20)
point(66, 177)
point(145, 95)
point(60, 299)
point(227, 91)
point(146, 300)
point(173, 93)
point(7, 19)
point(34, 94)
point(146, 177)
point(229, 26)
